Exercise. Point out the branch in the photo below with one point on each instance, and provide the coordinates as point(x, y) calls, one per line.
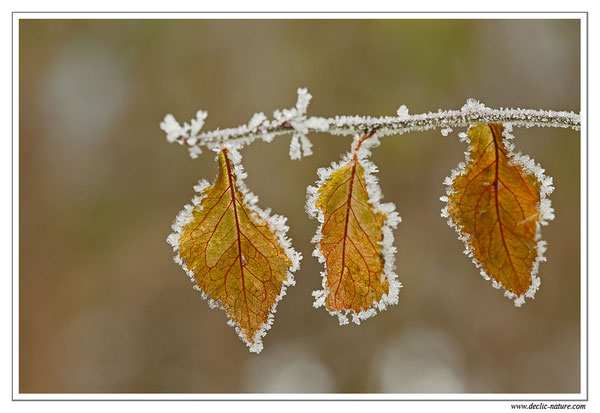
point(294, 121)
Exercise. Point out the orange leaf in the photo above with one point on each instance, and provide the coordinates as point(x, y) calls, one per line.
point(236, 254)
point(496, 202)
point(354, 240)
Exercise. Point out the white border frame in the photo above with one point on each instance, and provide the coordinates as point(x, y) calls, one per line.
point(524, 398)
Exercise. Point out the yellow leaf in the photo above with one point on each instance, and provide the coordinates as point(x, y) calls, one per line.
point(354, 240)
point(236, 254)
point(497, 201)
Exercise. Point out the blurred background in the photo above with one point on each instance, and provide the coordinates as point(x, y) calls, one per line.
point(103, 308)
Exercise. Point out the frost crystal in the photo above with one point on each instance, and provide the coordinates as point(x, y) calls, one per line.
point(198, 123)
point(402, 112)
point(445, 131)
point(295, 152)
point(463, 137)
point(317, 124)
point(306, 146)
point(195, 151)
point(303, 100)
point(257, 120)
point(296, 118)
point(172, 128)
point(472, 105)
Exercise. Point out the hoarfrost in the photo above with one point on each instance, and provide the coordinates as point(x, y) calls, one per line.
point(294, 121)
point(295, 152)
point(445, 131)
point(296, 118)
point(257, 120)
point(195, 151)
point(198, 123)
point(402, 112)
point(172, 128)
point(317, 124)
point(463, 137)
point(472, 105)
point(306, 146)
point(303, 100)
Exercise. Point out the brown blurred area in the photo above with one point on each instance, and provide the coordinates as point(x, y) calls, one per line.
point(102, 306)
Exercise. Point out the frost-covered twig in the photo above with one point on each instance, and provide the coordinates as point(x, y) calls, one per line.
point(294, 121)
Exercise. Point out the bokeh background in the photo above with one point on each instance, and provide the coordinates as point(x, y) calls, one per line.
point(103, 308)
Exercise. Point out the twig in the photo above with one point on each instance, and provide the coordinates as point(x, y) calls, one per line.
point(294, 121)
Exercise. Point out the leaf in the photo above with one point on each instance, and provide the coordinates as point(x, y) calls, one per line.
point(497, 202)
point(354, 240)
point(236, 254)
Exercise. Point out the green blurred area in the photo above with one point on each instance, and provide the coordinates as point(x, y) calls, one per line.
point(103, 308)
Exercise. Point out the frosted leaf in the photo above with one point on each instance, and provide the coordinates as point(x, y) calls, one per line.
point(276, 224)
point(386, 248)
point(543, 214)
